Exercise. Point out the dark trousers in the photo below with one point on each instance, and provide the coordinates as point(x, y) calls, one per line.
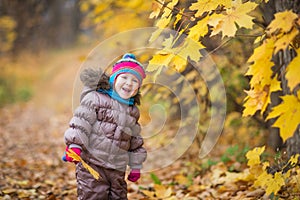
point(110, 186)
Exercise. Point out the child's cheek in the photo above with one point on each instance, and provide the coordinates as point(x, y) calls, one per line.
point(135, 92)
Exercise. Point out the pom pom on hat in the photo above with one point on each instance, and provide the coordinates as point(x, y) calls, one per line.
point(128, 64)
point(129, 55)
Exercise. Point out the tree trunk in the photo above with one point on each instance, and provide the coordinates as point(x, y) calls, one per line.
point(61, 22)
point(293, 144)
point(43, 24)
point(281, 61)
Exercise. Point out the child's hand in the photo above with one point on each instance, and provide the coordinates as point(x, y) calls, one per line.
point(67, 158)
point(134, 175)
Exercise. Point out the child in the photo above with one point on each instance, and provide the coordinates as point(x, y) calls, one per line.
point(105, 132)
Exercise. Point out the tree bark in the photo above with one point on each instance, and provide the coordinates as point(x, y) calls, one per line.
point(281, 61)
point(293, 144)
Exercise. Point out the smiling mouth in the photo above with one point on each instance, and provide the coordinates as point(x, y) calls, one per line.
point(126, 90)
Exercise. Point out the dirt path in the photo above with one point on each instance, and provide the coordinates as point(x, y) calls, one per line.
point(31, 135)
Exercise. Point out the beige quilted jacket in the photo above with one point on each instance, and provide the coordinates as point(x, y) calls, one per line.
point(107, 131)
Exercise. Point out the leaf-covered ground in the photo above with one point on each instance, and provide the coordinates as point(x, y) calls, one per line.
point(31, 138)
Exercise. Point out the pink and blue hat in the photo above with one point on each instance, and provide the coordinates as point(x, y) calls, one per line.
point(128, 64)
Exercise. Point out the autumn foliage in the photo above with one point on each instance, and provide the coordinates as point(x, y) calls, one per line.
point(248, 53)
point(279, 35)
point(226, 18)
point(209, 18)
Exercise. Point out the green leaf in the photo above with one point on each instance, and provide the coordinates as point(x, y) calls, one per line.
point(155, 179)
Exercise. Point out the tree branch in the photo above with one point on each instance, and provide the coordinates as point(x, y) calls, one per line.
point(218, 47)
point(177, 9)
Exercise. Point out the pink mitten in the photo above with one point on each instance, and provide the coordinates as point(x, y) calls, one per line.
point(76, 150)
point(134, 175)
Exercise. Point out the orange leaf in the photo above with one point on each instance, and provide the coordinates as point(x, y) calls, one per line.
point(76, 157)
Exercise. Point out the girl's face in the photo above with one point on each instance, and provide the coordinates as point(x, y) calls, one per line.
point(126, 85)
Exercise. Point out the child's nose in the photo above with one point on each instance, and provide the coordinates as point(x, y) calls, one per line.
point(129, 82)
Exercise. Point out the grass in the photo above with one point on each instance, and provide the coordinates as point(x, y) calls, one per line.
point(17, 79)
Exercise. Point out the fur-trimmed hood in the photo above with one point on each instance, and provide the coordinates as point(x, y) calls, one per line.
point(95, 79)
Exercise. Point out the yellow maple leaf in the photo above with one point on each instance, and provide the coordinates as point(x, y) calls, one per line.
point(158, 60)
point(263, 179)
point(272, 85)
point(168, 43)
point(199, 30)
point(191, 48)
point(285, 39)
point(241, 9)
point(217, 23)
point(253, 156)
point(188, 49)
point(155, 35)
point(283, 20)
point(262, 84)
point(246, 175)
point(293, 71)
point(162, 191)
point(288, 113)
point(163, 22)
point(272, 184)
point(264, 51)
point(172, 3)
point(238, 14)
point(166, 17)
point(261, 71)
point(255, 100)
point(255, 171)
point(179, 63)
point(208, 5)
point(169, 8)
point(76, 157)
point(156, 7)
point(275, 184)
point(175, 57)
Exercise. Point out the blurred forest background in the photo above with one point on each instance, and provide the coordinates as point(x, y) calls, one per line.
point(37, 27)
point(42, 45)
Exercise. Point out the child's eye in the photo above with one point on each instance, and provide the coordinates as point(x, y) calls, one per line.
point(135, 80)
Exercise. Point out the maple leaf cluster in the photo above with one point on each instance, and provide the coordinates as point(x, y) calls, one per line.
point(207, 18)
point(225, 18)
point(260, 176)
point(279, 36)
point(176, 56)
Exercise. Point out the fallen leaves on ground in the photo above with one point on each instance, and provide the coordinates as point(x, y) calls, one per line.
point(31, 168)
point(30, 157)
point(31, 138)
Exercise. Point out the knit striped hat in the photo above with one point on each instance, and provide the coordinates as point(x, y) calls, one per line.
point(128, 64)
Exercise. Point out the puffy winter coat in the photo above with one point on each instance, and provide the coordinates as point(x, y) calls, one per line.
point(108, 131)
